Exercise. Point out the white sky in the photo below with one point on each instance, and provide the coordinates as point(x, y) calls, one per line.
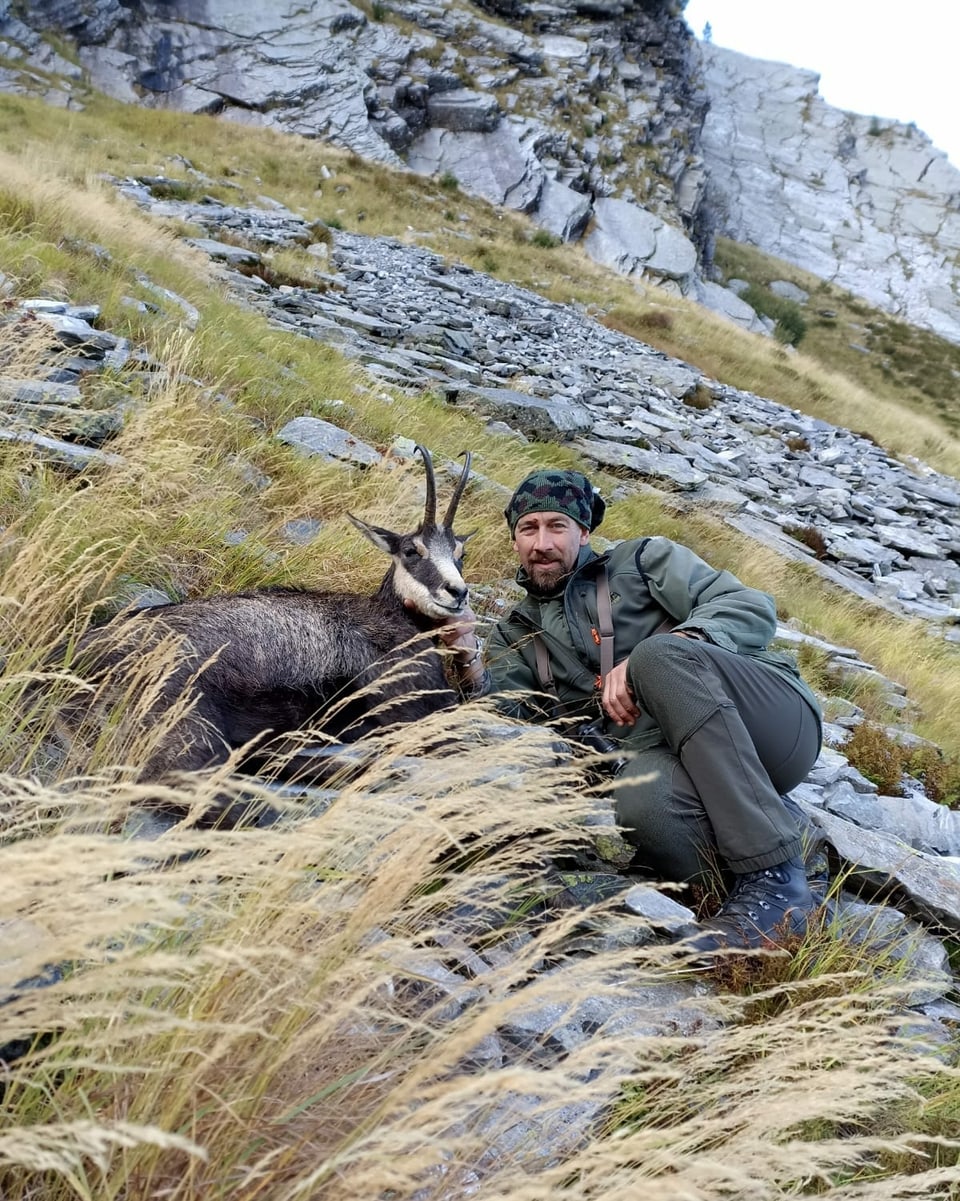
point(881, 59)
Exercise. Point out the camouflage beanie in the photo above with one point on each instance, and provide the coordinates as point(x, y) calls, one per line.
point(554, 491)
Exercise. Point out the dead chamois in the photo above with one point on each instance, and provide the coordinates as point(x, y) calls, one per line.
point(252, 667)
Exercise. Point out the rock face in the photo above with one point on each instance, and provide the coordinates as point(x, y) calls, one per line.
point(870, 205)
point(587, 116)
point(550, 110)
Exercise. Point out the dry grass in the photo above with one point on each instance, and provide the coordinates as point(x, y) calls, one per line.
point(256, 1018)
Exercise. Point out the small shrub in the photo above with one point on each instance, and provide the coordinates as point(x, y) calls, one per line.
point(791, 326)
point(656, 319)
point(810, 536)
point(872, 751)
point(449, 182)
point(334, 223)
point(797, 443)
point(868, 436)
point(885, 761)
point(939, 775)
point(320, 232)
point(282, 274)
point(378, 11)
point(172, 189)
point(545, 239)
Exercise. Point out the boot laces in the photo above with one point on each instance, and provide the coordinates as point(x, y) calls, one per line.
point(751, 894)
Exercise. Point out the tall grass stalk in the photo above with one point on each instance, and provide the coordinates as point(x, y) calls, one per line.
point(262, 1014)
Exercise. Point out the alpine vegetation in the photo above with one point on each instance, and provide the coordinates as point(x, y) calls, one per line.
point(243, 676)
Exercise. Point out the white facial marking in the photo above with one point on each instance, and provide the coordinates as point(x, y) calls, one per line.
point(433, 584)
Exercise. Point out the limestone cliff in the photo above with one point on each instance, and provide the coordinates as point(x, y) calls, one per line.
point(868, 204)
point(590, 115)
point(580, 111)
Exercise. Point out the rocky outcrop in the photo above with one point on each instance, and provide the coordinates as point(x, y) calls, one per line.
point(559, 111)
point(869, 204)
point(586, 116)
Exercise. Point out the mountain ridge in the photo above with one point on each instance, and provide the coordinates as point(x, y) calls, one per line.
point(605, 121)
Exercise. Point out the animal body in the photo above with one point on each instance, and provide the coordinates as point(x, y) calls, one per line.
point(258, 665)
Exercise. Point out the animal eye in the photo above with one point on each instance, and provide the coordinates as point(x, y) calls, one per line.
point(410, 552)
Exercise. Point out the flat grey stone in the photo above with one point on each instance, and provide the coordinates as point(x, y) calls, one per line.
point(225, 253)
point(36, 392)
point(543, 420)
point(671, 468)
point(314, 436)
point(464, 110)
point(76, 457)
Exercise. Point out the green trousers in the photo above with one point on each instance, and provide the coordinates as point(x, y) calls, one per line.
point(735, 736)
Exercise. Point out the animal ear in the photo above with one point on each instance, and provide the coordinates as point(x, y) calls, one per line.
point(382, 539)
point(464, 538)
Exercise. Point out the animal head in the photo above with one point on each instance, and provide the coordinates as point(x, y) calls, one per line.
point(427, 570)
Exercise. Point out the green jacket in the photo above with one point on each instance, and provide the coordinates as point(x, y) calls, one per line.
point(652, 581)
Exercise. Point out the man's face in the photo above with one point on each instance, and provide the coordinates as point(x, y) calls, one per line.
point(548, 545)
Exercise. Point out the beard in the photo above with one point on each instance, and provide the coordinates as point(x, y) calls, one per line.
point(548, 574)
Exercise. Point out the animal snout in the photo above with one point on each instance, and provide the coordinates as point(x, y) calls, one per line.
point(457, 594)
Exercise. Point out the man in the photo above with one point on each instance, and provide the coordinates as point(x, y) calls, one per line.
point(673, 654)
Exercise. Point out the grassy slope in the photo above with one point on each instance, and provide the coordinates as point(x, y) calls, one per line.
point(896, 362)
point(221, 1033)
point(52, 201)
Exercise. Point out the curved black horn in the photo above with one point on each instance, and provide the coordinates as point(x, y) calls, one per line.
point(458, 491)
point(430, 507)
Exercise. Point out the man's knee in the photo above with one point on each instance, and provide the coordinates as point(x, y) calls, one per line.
point(672, 680)
point(654, 662)
point(649, 654)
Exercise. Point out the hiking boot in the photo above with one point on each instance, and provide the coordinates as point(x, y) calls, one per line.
point(816, 858)
point(762, 909)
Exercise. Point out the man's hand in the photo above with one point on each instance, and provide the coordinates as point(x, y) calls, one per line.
point(617, 699)
point(459, 635)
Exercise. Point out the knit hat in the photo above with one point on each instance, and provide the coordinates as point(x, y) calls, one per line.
point(555, 491)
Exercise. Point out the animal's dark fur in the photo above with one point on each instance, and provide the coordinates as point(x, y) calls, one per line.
point(267, 663)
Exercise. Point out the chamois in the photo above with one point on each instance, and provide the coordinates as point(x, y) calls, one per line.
point(262, 664)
